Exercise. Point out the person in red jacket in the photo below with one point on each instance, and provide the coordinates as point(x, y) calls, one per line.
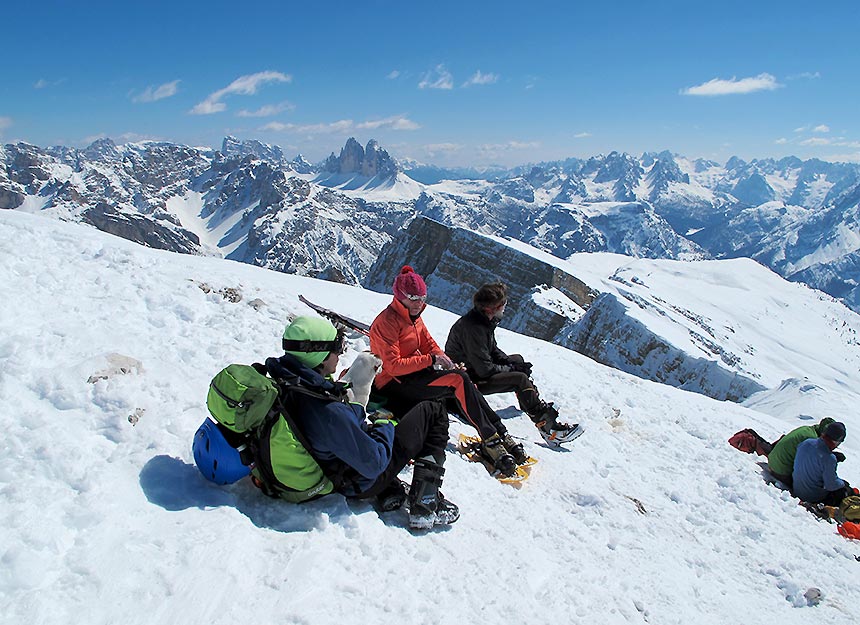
point(415, 368)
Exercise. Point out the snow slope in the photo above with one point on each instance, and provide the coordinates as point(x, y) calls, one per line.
point(793, 340)
point(649, 517)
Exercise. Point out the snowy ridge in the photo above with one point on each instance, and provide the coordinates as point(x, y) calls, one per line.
point(650, 517)
point(734, 312)
point(393, 188)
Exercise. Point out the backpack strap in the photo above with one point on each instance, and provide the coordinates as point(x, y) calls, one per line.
point(289, 385)
point(339, 473)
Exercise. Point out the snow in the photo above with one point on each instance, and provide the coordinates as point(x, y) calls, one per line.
point(398, 188)
point(783, 183)
point(845, 241)
point(817, 191)
point(221, 232)
point(650, 516)
point(465, 187)
point(33, 203)
point(556, 301)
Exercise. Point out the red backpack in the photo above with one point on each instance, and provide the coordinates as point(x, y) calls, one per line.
point(748, 441)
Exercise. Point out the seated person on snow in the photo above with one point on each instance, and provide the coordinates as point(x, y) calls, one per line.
point(472, 341)
point(780, 460)
point(414, 368)
point(815, 479)
point(365, 457)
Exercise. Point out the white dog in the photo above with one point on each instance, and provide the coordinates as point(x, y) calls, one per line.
point(360, 376)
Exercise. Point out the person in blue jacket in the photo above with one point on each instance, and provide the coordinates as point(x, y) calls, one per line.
point(366, 456)
point(814, 475)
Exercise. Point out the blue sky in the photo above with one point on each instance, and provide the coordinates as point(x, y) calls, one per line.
point(451, 83)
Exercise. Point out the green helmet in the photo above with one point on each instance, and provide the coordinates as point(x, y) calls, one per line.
point(311, 340)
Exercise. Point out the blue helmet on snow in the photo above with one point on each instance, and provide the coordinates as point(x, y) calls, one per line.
point(217, 460)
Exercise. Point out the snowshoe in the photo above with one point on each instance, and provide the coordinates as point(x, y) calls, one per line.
point(470, 448)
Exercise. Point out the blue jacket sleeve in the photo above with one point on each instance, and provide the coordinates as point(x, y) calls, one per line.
point(831, 480)
point(366, 451)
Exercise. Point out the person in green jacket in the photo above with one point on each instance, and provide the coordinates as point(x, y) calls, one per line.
point(780, 460)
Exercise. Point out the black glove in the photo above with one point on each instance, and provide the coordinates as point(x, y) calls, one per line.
point(840, 457)
point(521, 367)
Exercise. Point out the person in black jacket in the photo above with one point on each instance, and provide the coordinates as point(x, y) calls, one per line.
point(472, 341)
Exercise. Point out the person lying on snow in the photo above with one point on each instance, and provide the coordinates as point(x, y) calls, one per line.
point(814, 474)
point(472, 341)
point(366, 457)
point(414, 368)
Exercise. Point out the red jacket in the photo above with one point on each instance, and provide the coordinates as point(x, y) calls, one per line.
point(405, 346)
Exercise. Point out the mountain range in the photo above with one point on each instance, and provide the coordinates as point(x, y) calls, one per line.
point(248, 202)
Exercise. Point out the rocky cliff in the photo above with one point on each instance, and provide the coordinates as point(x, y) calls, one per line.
point(609, 335)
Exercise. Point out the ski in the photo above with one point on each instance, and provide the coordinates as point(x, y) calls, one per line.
point(338, 319)
point(468, 447)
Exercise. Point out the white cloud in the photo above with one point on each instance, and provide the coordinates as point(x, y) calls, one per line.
point(805, 76)
point(479, 78)
point(5, 122)
point(437, 78)
point(267, 110)
point(44, 84)
point(847, 144)
point(781, 141)
point(244, 85)
point(344, 126)
point(393, 74)
point(134, 137)
point(493, 148)
point(151, 94)
point(718, 86)
point(582, 135)
point(845, 158)
point(126, 137)
point(442, 148)
point(801, 129)
point(392, 123)
point(821, 128)
point(816, 141)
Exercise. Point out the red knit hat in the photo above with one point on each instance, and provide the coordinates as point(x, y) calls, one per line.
point(409, 283)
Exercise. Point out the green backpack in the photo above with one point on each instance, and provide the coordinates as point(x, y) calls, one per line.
point(251, 408)
point(850, 508)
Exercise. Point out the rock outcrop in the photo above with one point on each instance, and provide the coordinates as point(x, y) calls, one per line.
point(609, 335)
point(455, 262)
point(369, 162)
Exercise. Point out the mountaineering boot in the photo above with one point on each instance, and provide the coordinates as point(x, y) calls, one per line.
point(493, 450)
point(427, 506)
point(446, 512)
point(515, 449)
point(553, 432)
point(392, 496)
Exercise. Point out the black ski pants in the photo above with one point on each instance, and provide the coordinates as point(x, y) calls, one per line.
point(423, 431)
point(835, 497)
point(455, 387)
point(513, 382)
